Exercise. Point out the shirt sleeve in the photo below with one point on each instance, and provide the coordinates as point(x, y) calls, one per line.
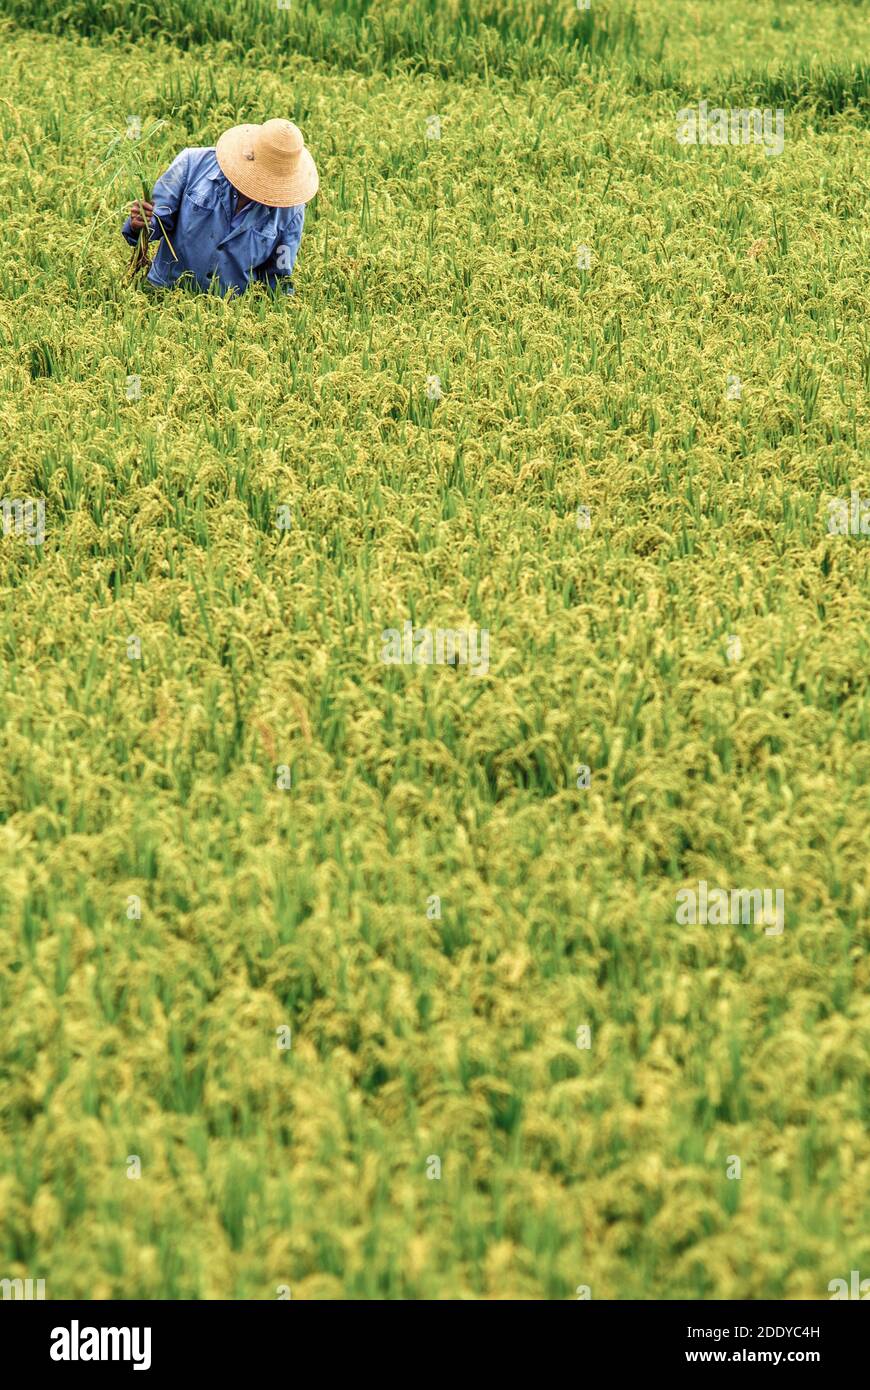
point(278, 267)
point(166, 197)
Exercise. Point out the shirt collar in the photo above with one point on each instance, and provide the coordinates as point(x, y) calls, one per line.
point(251, 213)
point(228, 192)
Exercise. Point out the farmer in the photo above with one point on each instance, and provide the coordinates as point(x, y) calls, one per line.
point(232, 214)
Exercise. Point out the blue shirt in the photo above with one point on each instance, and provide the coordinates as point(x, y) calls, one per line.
point(196, 205)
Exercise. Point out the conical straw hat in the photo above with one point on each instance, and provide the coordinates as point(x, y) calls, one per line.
point(268, 163)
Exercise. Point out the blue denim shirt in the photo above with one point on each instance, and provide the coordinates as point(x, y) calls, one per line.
point(195, 203)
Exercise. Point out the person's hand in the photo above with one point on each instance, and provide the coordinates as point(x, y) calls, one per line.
point(140, 214)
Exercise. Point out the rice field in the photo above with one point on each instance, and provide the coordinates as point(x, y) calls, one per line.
point(331, 974)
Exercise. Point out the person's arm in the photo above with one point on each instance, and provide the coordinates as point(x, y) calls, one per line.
point(278, 267)
point(165, 198)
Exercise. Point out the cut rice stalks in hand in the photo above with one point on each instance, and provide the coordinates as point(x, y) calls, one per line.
point(141, 258)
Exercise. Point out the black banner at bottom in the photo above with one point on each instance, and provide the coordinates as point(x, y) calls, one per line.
point(81, 1339)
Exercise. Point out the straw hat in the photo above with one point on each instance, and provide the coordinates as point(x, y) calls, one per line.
point(268, 163)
